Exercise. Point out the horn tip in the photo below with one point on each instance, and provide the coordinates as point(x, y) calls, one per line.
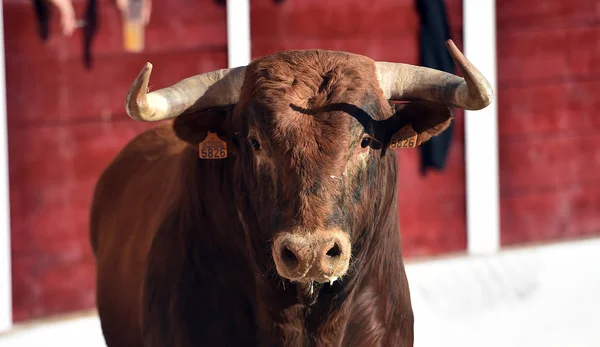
point(135, 101)
point(452, 46)
point(147, 69)
point(485, 99)
point(488, 98)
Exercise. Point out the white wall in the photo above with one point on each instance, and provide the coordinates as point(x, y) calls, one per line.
point(5, 273)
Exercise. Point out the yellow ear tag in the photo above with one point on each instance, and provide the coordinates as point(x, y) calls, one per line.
point(212, 147)
point(404, 138)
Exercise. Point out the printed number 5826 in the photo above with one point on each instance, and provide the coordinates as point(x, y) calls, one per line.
point(213, 152)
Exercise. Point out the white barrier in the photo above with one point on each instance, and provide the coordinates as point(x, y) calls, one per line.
point(481, 133)
point(540, 296)
point(5, 259)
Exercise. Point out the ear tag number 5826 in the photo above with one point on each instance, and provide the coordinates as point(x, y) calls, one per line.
point(212, 147)
point(397, 142)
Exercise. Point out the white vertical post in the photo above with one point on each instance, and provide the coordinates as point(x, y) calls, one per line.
point(5, 260)
point(238, 32)
point(481, 132)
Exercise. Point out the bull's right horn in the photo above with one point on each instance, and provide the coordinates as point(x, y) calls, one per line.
point(207, 90)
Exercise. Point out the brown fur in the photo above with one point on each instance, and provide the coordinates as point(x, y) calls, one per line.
point(183, 245)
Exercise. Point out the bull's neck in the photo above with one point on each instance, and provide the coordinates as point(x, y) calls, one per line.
point(279, 315)
point(210, 189)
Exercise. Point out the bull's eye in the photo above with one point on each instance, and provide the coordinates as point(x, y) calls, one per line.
point(255, 144)
point(365, 142)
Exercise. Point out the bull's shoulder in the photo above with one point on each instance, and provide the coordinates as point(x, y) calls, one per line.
point(152, 143)
point(136, 175)
point(146, 149)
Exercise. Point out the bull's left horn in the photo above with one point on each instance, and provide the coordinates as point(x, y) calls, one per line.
point(210, 89)
point(408, 82)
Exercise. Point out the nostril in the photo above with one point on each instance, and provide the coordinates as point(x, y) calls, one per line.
point(288, 256)
point(334, 251)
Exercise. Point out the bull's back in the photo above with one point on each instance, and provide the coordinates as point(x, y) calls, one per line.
point(131, 197)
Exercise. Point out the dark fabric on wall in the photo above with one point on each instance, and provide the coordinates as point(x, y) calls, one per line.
point(43, 13)
point(89, 32)
point(42, 16)
point(434, 32)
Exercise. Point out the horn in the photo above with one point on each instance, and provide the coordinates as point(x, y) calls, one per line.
point(207, 90)
point(408, 82)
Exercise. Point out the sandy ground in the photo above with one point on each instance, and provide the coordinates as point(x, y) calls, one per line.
point(541, 296)
point(547, 296)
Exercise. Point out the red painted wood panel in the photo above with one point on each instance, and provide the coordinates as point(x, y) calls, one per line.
point(62, 92)
point(315, 19)
point(432, 211)
point(544, 162)
point(548, 82)
point(66, 124)
point(516, 15)
point(549, 109)
point(437, 225)
point(558, 213)
point(53, 171)
point(549, 55)
point(46, 286)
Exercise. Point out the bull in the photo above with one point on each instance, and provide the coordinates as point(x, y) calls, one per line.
point(263, 211)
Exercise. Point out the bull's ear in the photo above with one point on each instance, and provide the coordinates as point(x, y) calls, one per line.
point(194, 128)
point(415, 122)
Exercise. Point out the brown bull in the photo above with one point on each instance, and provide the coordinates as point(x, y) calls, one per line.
point(291, 237)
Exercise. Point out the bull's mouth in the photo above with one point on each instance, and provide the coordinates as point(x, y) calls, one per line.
point(308, 292)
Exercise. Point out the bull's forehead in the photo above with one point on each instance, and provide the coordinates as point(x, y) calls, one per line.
point(317, 145)
point(301, 103)
point(302, 98)
point(312, 79)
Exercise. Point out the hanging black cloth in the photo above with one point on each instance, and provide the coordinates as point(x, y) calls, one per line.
point(434, 32)
point(89, 31)
point(42, 15)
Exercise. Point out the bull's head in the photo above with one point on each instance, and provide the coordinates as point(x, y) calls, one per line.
point(308, 133)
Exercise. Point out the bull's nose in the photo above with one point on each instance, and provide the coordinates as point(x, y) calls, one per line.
point(329, 257)
point(320, 256)
point(296, 255)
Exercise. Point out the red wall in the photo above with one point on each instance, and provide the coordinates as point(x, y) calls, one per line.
point(548, 93)
point(65, 123)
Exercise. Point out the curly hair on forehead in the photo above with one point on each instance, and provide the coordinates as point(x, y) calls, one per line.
point(312, 79)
